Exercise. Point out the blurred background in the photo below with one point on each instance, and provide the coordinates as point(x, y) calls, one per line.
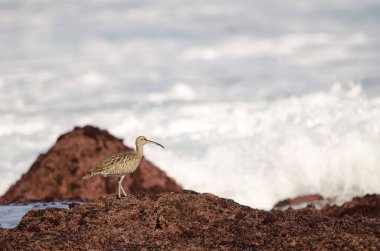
point(254, 100)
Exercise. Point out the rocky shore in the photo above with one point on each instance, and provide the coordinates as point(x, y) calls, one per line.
point(190, 221)
point(159, 215)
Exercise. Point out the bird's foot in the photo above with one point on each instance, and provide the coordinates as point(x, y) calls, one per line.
point(121, 196)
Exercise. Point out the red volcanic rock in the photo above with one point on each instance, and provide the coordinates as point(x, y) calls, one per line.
point(185, 221)
point(367, 206)
point(304, 199)
point(57, 174)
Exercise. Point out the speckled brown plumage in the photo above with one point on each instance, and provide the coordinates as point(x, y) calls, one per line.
point(121, 164)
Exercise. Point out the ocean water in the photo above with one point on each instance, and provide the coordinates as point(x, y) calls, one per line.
point(11, 214)
point(254, 100)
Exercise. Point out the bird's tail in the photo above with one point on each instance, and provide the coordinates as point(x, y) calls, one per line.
point(89, 175)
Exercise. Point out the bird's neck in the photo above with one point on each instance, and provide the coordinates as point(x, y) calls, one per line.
point(139, 150)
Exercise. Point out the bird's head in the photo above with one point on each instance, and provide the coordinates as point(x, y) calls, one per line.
point(141, 140)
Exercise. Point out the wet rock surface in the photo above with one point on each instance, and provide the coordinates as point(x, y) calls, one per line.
point(187, 221)
point(57, 174)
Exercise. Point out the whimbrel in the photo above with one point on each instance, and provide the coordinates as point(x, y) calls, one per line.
point(121, 164)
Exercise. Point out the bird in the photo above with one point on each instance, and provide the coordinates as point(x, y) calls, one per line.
point(121, 164)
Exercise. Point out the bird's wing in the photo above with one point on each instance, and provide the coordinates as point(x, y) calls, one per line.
point(112, 161)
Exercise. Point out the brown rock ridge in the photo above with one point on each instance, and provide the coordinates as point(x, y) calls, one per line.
point(57, 174)
point(294, 202)
point(368, 206)
point(186, 221)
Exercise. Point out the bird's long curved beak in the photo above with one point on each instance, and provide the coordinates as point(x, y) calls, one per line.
point(156, 143)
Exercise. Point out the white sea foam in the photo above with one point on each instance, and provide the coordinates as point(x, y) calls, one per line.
point(258, 153)
point(255, 152)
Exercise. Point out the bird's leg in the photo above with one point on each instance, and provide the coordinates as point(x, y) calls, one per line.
point(121, 186)
point(122, 189)
point(119, 180)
